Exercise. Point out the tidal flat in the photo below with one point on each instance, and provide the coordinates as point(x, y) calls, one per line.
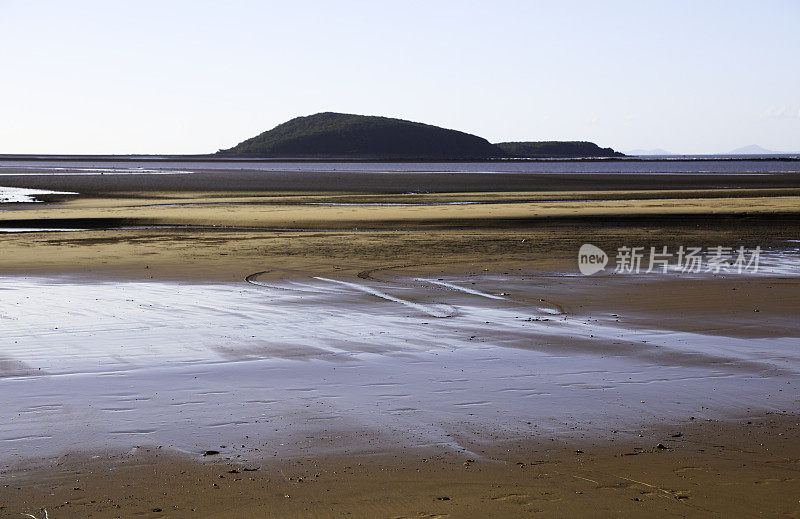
point(297, 352)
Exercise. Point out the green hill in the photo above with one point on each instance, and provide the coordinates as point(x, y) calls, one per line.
point(328, 135)
point(556, 149)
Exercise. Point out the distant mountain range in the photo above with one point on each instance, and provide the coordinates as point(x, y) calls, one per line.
point(753, 149)
point(336, 135)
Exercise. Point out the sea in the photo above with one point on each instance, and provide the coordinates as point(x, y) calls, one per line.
point(41, 166)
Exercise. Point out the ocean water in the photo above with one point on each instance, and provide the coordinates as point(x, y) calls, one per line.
point(683, 165)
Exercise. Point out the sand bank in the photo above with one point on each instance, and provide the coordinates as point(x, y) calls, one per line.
point(322, 214)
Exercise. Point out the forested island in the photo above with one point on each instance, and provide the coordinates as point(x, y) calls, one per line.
point(337, 135)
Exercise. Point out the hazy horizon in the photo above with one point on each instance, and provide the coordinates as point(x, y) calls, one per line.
point(92, 77)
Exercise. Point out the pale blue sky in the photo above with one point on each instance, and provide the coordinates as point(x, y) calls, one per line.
point(194, 76)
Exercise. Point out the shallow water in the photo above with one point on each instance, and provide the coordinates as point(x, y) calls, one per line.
point(22, 195)
point(278, 365)
point(780, 262)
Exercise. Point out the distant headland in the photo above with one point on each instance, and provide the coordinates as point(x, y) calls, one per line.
point(556, 149)
point(336, 135)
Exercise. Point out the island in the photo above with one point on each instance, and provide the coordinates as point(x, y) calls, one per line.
point(331, 135)
point(336, 135)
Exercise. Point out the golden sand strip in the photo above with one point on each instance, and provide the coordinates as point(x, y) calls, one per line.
point(211, 211)
point(134, 198)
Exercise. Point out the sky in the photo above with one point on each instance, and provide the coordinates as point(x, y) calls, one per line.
point(194, 76)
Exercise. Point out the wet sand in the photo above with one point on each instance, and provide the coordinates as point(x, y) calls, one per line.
point(713, 469)
point(187, 365)
point(397, 212)
point(378, 406)
point(374, 350)
point(93, 177)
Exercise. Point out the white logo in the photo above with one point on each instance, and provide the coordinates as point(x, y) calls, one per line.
point(591, 259)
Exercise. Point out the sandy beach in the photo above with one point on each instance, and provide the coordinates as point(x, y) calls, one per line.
point(265, 346)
